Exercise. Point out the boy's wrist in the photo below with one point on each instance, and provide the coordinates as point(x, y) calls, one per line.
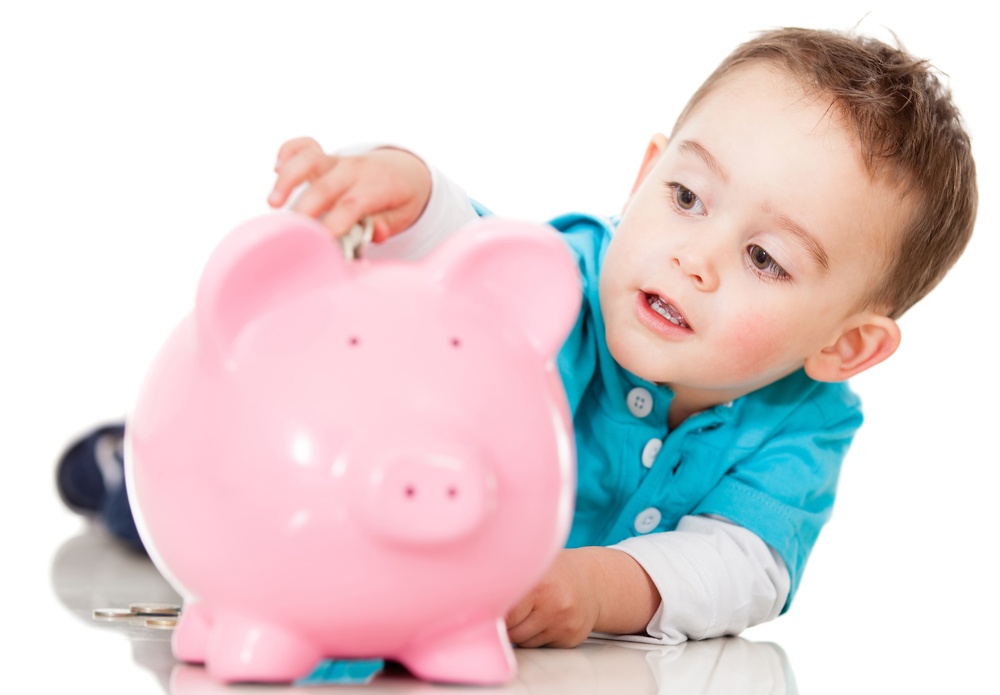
point(626, 595)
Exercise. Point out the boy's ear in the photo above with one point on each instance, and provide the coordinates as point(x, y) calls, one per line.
point(866, 342)
point(655, 148)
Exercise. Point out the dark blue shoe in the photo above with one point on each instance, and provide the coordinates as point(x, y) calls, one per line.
point(90, 477)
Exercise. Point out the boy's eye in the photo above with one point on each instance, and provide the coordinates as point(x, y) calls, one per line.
point(764, 263)
point(761, 258)
point(685, 199)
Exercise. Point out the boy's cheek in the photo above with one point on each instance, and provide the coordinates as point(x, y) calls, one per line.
point(755, 346)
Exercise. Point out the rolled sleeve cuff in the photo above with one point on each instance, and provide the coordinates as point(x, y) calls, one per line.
point(715, 578)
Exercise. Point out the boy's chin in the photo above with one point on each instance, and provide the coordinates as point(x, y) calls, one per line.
point(643, 363)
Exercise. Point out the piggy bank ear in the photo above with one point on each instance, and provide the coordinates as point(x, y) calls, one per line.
point(259, 264)
point(524, 269)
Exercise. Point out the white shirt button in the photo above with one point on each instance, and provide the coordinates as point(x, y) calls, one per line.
point(650, 452)
point(647, 520)
point(639, 401)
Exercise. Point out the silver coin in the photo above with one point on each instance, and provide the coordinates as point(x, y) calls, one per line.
point(356, 237)
point(161, 623)
point(162, 609)
point(112, 613)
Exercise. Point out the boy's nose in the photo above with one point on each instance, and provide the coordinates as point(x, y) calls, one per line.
point(697, 265)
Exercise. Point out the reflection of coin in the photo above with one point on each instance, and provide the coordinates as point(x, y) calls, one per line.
point(154, 609)
point(112, 613)
point(162, 623)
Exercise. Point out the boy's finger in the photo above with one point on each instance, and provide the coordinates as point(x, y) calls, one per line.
point(324, 192)
point(519, 612)
point(301, 167)
point(530, 632)
point(389, 222)
point(533, 642)
point(343, 216)
point(293, 147)
point(353, 204)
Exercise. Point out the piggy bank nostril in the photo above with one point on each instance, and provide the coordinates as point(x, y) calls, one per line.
point(410, 492)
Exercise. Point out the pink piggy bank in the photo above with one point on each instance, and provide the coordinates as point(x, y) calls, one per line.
point(359, 459)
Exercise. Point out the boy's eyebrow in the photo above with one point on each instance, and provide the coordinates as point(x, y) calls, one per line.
point(696, 148)
point(812, 244)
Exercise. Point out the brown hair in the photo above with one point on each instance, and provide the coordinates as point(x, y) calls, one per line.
point(910, 134)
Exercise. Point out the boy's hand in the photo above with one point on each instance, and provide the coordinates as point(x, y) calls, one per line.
point(391, 186)
point(561, 610)
point(585, 590)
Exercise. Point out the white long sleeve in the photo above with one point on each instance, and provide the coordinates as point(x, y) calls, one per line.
point(714, 577)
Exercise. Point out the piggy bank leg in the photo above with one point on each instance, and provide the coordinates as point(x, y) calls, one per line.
point(479, 654)
point(190, 641)
point(244, 649)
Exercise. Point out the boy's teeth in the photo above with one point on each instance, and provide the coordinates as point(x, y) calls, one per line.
point(667, 311)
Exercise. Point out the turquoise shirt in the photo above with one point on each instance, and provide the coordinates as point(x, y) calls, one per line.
point(769, 461)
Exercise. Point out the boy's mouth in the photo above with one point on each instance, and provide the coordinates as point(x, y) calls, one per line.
point(666, 310)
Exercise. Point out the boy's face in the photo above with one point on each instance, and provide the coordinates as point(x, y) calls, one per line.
point(747, 244)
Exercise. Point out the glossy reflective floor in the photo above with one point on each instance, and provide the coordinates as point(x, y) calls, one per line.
point(91, 571)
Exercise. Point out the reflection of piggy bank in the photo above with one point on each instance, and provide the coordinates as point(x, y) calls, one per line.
point(335, 459)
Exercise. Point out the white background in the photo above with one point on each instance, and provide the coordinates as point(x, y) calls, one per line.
point(134, 135)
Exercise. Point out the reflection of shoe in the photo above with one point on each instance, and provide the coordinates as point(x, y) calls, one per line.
point(90, 478)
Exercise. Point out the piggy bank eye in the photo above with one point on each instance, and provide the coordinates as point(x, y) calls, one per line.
point(354, 341)
point(455, 342)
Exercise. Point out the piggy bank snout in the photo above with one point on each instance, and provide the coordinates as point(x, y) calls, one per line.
point(428, 498)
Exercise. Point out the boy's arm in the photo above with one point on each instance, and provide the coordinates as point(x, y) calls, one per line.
point(715, 578)
point(585, 589)
point(705, 579)
point(448, 210)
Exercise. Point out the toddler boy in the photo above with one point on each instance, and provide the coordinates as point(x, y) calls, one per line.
point(814, 188)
